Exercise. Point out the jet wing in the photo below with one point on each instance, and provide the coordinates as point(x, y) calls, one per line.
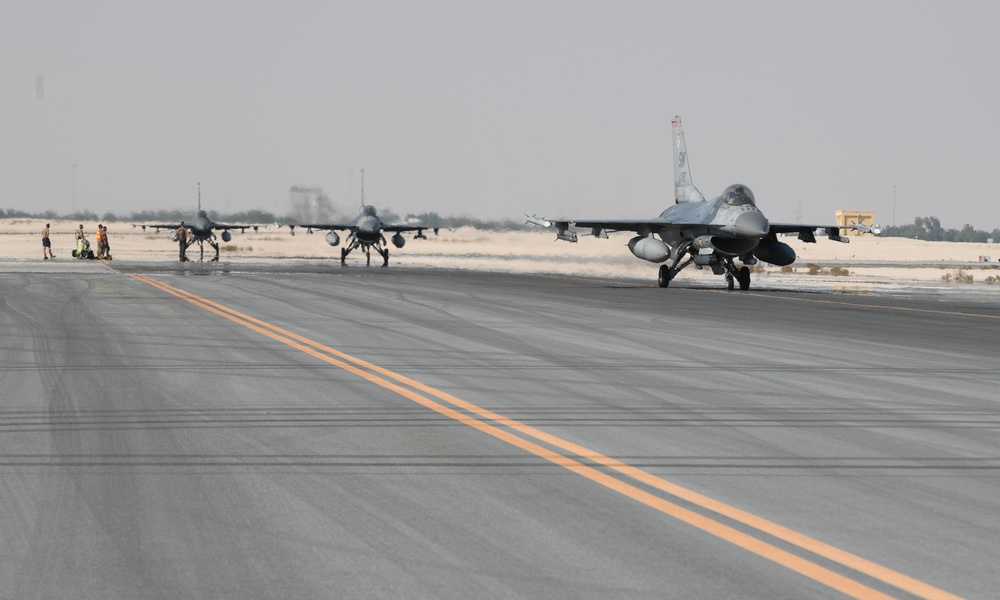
point(400, 228)
point(241, 227)
point(353, 227)
point(612, 226)
point(604, 227)
point(215, 226)
point(157, 226)
point(807, 233)
point(324, 227)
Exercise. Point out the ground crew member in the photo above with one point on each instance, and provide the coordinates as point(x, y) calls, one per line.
point(46, 244)
point(100, 241)
point(182, 239)
point(81, 242)
point(107, 245)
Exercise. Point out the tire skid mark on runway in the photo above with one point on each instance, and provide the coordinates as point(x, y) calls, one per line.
point(478, 420)
point(932, 311)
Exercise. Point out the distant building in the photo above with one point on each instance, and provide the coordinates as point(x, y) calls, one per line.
point(310, 204)
point(855, 217)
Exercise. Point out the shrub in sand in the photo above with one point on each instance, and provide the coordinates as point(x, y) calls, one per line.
point(958, 277)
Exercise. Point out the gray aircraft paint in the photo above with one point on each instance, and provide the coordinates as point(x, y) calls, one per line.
point(684, 190)
point(366, 232)
point(705, 233)
point(202, 229)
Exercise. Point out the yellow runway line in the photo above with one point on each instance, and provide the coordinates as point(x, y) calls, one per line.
point(379, 376)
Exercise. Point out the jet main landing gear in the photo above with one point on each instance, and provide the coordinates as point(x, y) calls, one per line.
point(669, 271)
point(664, 276)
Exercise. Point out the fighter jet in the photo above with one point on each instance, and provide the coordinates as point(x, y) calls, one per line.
point(202, 230)
point(366, 232)
point(705, 233)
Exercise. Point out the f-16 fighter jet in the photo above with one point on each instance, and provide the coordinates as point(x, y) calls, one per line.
point(706, 233)
point(366, 232)
point(202, 230)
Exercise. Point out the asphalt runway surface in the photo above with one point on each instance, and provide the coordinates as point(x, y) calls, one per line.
point(306, 430)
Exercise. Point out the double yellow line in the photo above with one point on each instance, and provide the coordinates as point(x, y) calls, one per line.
point(531, 439)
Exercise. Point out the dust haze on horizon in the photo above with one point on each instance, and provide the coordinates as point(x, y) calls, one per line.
point(495, 109)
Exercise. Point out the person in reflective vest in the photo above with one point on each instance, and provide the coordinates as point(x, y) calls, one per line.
point(81, 241)
point(100, 241)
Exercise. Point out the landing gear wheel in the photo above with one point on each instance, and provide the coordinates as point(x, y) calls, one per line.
point(743, 275)
point(664, 276)
point(729, 282)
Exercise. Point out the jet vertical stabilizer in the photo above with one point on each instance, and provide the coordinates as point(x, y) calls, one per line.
point(684, 190)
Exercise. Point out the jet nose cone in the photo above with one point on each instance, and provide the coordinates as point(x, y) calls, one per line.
point(752, 224)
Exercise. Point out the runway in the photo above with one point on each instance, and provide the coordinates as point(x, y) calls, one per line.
point(306, 430)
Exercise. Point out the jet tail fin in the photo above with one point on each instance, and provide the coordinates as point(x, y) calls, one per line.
point(684, 190)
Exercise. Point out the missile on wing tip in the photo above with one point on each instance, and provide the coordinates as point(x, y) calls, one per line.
point(535, 220)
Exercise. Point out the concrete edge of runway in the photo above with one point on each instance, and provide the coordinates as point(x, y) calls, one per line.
point(767, 282)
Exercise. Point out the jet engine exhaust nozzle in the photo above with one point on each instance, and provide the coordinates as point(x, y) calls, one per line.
point(649, 248)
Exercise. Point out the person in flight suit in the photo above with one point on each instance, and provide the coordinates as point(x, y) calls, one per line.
point(182, 240)
point(107, 246)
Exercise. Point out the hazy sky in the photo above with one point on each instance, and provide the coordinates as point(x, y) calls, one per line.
point(495, 109)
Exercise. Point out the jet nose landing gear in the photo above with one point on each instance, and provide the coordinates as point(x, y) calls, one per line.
point(741, 276)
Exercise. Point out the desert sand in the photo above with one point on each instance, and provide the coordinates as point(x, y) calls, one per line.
point(869, 260)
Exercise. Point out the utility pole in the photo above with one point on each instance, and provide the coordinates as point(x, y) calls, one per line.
point(350, 185)
point(893, 205)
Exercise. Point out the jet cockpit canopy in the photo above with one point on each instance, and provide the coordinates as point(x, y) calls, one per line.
point(369, 211)
point(738, 195)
